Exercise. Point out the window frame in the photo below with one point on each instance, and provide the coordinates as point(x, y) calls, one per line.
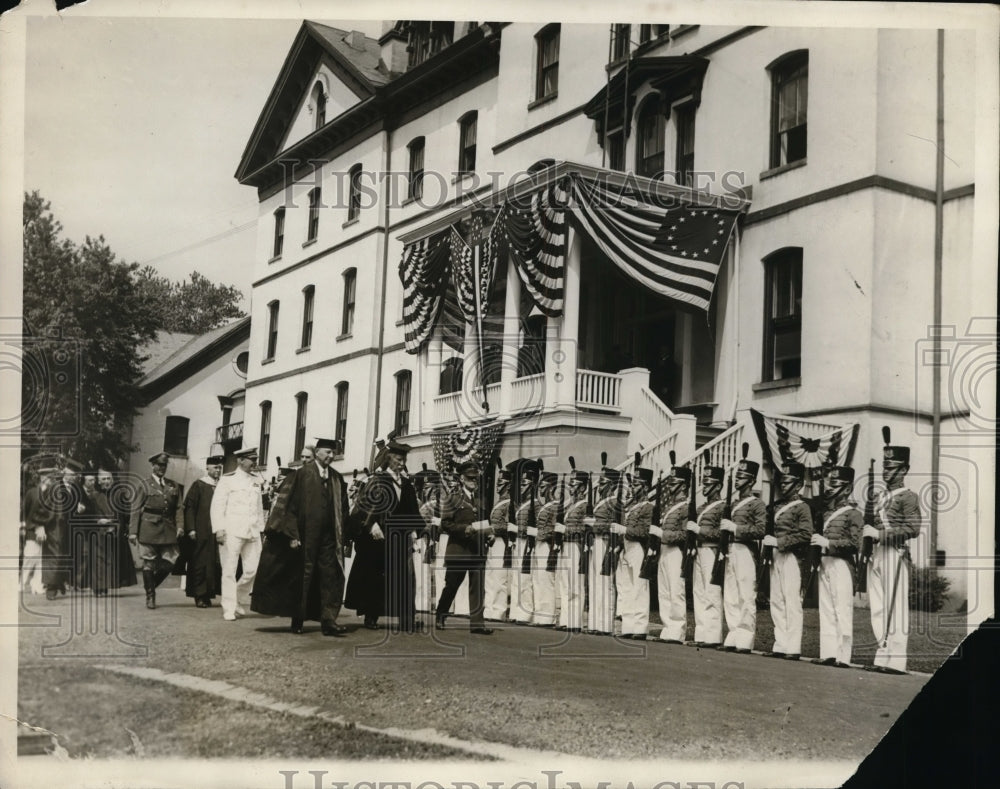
point(278, 245)
point(685, 127)
point(265, 432)
point(544, 37)
point(620, 51)
point(402, 426)
point(415, 183)
point(778, 325)
point(308, 309)
point(354, 193)
point(650, 108)
point(315, 199)
point(301, 415)
point(467, 160)
point(175, 441)
point(792, 67)
point(273, 311)
point(350, 277)
point(343, 389)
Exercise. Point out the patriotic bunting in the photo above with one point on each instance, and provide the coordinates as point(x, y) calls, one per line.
point(454, 447)
point(782, 445)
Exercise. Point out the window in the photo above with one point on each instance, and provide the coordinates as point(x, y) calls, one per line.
point(783, 315)
point(649, 32)
point(789, 103)
point(175, 436)
point(308, 295)
point(684, 117)
point(547, 69)
point(415, 187)
point(467, 144)
point(427, 39)
point(354, 193)
point(314, 201)
point(272, 329)
point(450, 379)
point(319, 100)
point(620, 41)
point(340, 429)
point(404, 380)
point(279, 232)
point(301, 403)
point(265, 432)
point(350, 281)
point(615, 145)
point(649, 145)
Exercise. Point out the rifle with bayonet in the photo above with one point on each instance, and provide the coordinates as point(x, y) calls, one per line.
point(651, 561)
point(868, 543)
point(510, 538)
point(588, 534)
point(767, 554)
point(691, 538)
point(718, 577)
point(532, 525)
point(616, 543)
point(560, 530)
point(817, 508)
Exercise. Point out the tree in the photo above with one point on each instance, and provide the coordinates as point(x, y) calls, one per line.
point(194, 306)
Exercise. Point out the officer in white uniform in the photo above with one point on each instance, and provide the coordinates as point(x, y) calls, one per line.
point(237, 522)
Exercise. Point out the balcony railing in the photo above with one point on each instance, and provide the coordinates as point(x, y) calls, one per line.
point(231, 432)
point(598, 390)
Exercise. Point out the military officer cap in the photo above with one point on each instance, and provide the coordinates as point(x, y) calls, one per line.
point(160, 458)
point(214, 460)
point(469, 468)
point(326, 443)
point(644, 475)
point(793, 469)
point(899, 455)
point(840, 474)
point(249, 452)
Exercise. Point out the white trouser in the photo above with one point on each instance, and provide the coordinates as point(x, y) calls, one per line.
point(633, 591)
point(422, 577)
point(543, 586)
point(496, 584)
point(739, 597)
point(836, 609)
point(601, 589)
point(881, 576)
point(32, 568)
point(670, 592)
point(569, 585)
point(236, 594)
point(522, 599)
point(707, 599)
point(786, 603)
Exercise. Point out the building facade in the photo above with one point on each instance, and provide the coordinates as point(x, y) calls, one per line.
point(815, 143)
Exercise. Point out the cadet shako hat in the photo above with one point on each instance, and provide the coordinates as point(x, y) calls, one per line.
point(160, 458)
point(840, 474)
point(747, 466)
point(608, 474)
point(894, 454)
point(550, 477)
point(796, 470)
point(714, 473)
point(644, 475)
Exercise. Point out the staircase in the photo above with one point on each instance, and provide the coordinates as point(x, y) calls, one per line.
point(704, 433)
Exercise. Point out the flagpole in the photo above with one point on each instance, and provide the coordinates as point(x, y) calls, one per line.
point(477, 275)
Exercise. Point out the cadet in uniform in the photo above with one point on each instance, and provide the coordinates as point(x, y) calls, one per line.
point(601, 588)
point(897, 520)
point(569, 580)
point(747, 524)
point(522, 602)
point(544, 583)
point(156, 524)
point(792, 534)
point(840, 539)
point(669, 583)
point(237, 521)
point(633, 591)
point(707, 596)
point(497, 581)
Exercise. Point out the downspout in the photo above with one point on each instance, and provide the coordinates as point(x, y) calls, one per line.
point(386, 191)
point(938, 255)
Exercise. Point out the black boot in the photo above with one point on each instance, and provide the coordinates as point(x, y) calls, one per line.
point(161, 576)
point(149, 584)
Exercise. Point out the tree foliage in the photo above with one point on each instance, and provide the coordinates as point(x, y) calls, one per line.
point(87, 318)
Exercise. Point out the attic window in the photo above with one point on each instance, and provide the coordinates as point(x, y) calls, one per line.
point(426, 39)
point(319, 102)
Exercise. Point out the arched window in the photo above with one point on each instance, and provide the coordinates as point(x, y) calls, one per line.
point(783, 314)
point(319, 102)
point(415, 186)
point(175, 436)
point(301, 403)
point(789, 105)
point(467, 141)
point(651, 128)
point(340, 428)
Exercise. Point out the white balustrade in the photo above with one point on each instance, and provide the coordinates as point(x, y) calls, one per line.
point(447, 408)
point(806, 427)
point(527, 393)
point(598, 390)
point(656, 457)
point(724, 450)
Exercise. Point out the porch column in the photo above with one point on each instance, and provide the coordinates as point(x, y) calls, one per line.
point(511, 339)
point(563, 352)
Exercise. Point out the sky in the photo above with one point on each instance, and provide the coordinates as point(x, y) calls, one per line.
point(134, 128)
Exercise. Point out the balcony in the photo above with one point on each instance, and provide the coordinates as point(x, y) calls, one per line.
point(228, 434)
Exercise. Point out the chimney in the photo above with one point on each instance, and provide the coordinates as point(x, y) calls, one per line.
point(356, 40)
point(393, 55)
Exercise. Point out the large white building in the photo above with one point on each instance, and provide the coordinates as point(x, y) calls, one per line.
point(374, 160)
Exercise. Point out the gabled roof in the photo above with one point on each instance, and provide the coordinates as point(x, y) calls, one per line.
point(199, 351)
point(359, 69)
point(165, 345)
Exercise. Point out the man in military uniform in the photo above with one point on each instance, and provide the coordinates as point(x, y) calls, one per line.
point(707, 596)
point(156, 524)
point(842, 524)
point(670, 585)
point(897, 521)
point(746, 527)
point(543, 582)
point(792, 535)
point(633, 591)
point(569, 580)
point(522, 599)
point(498, 577)
point(601, 588)
point(467, 530)
point(428, 542)
point(237, 513)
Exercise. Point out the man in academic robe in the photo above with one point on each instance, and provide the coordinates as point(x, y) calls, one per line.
point(301, 571)
point(121, 564)
point(204, 570)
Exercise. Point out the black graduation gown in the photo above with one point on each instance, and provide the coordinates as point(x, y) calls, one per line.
point(204, 569)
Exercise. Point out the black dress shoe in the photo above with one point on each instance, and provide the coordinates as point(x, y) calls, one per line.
point(482, 631)
point(371, 622)
point(573, 630)
point(334, 630)
point(297, 626)
point(824, 662)
point(791, 657)
point(439, 622)
point(774, 654)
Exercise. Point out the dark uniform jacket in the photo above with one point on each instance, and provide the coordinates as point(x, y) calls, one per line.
point(674, 523)
point(637, 521)
point(899, 519)
point(842, 526)
point(793, 525)
point(709, 520)
point(156, 512)
point(750, 517)
point(457, 513)
point(576, 529)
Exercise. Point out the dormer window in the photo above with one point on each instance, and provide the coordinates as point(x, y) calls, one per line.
point(426, 39)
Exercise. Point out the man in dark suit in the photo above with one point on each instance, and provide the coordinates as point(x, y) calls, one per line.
point(301, 572)
point(467, 527)
point(156, 524)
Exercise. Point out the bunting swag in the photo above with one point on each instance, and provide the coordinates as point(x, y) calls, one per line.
point(480, 444)
point(424, 273)
point(536, 237)
point(675, 251)
point(781, 445)
point(476, 264)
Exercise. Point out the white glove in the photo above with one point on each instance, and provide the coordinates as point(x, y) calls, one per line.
point(727, 525)
point(376, 532)
point(484, 525)
point(220, 537)
point(871, 531)
point(39, 534)
point(512, 528)
point(692, 526)
point(770, 541)
point(617, 528)
point(589, 520)
point(820, 540)
point(435, 521)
